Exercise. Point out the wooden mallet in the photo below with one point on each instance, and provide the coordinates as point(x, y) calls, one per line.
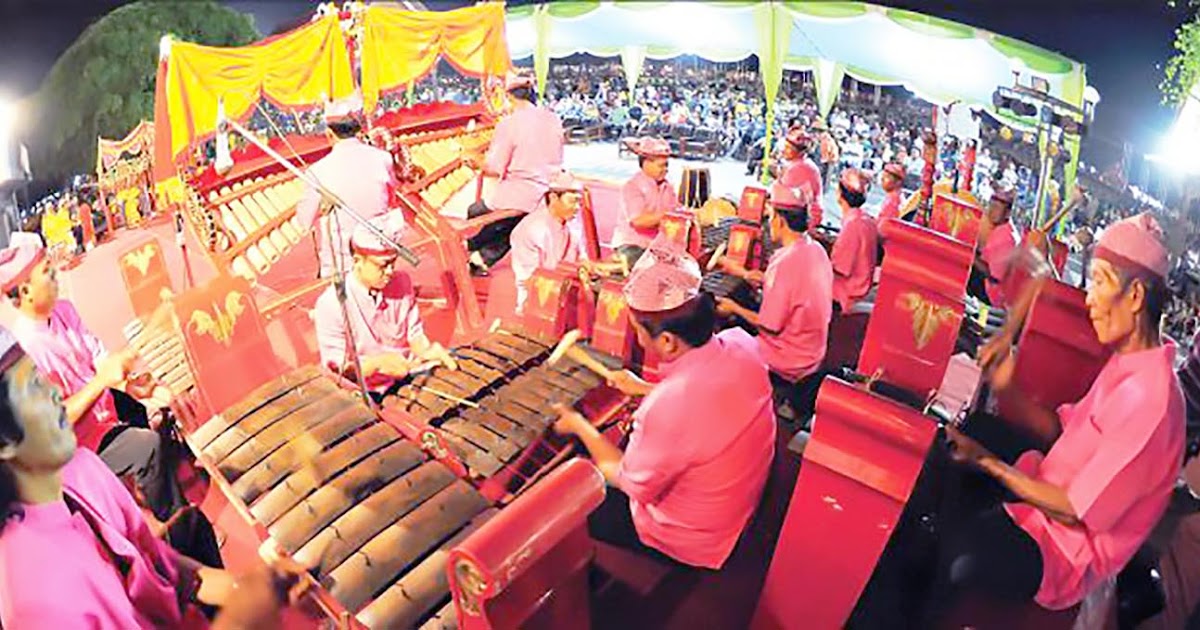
point(716, 257)
point(566, 348)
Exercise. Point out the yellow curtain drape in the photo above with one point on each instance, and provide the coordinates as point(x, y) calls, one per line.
point(401, 46)
point(294, 69)
point(139, 141)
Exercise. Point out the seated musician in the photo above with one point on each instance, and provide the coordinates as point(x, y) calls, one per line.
point(799, 171)
point(359, 173)
point(75, 551)
point(703, 438)
point(892, 181)
point(797, 302)
point(999, 239)
point(855, 252)
point(645, 199)
point(66, 352)
point(543, 239)
point(527, 144)
point(1107, 463)
point(381, 306)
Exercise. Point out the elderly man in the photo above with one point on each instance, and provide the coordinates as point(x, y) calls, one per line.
point(527, 145)
point(52, 334)
point(703, 438)
point(75, 551)
point(645, 199)
point(1105, 466)
point(855, 252)
point(359, 173)
point(381, 306)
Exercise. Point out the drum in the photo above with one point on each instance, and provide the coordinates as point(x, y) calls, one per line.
point(694, 187)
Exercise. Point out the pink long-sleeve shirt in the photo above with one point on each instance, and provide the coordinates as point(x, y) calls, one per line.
point(65, 352)
point(540, 241)
point(798, 304)
point(382, 322)
point(87, 562)
point(1117, 458)
point(802, 173)
point(700, 451)
point(526, 148)
point(363, 177)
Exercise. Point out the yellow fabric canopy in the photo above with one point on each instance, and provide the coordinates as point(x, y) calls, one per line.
point(401, 46)
point(295, 69)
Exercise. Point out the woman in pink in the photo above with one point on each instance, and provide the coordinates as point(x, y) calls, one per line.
point(1105, 466)
point(703, 438)
point(75, 551)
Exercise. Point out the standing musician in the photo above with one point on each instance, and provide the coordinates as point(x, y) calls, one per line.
point(1105, 466)
point(856, 249)
point(55, 338)
point(645, 199)
point(892, 181)
point(381, 306)
point(799, 171)
point(527, 144)
point(994, 257)
point(797, 302)
point(75, 551)
point(362, 175)
point(703, 438)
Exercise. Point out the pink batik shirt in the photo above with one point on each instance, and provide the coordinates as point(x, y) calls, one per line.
point(88, 562)
point(798, 304)
point(65, 352)
point(540, 241)
point(853, 258)
point(383, 322)
point(700, 451)
point(527, 147)
point(1118, 456)
point(641, 195)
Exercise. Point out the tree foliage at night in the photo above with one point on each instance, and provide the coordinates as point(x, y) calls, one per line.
point(1183, 70)
point(103, 85)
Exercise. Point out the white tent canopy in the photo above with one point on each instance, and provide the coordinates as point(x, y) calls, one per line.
point(938, 60)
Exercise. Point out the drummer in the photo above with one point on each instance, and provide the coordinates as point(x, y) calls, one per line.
point(703, 438)
point(799, 171)
point(892, 181)
point(645, 199)
point(797, 303)
point(993, 260)
point(855, 251)
point(1105, 466)
point(527, 144)
point(381, 306)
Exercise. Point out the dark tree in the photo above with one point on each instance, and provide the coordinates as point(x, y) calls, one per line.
point(104, 83)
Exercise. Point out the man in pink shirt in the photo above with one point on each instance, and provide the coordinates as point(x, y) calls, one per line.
point(797, 304)
point(362, 175)
point(892, 181)
point(994, 260)
point(855, 250)
point(52, 334)
point(526, 146)
point(381, 306)
point(799, 171)
point(543, 239)
point(75, 551)
point(1106, 465)
point(703, 438)
point(645, 199)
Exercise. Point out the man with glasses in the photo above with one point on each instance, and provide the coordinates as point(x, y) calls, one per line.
point(381, 311)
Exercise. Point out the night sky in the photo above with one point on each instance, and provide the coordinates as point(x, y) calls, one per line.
point(1123, 42)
